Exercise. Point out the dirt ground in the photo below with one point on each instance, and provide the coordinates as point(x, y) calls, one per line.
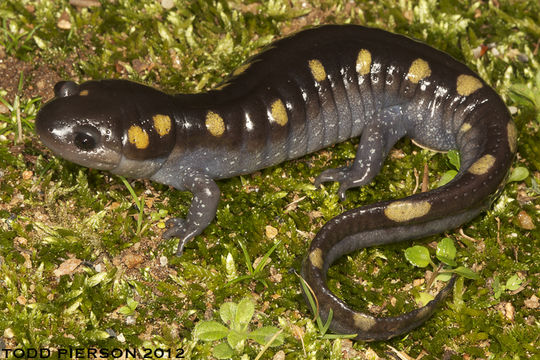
point(38, 78)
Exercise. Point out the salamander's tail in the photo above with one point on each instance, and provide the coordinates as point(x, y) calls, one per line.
point(487, 148)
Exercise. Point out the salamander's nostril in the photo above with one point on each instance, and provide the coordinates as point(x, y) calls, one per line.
point(66, 88)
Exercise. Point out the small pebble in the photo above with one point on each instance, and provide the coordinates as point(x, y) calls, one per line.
point(271, 232)
point(64, 22)
point(167, 4)
point(525, 221)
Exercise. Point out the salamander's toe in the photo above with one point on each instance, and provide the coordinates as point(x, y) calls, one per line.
point(347, 177)
point(336, 174)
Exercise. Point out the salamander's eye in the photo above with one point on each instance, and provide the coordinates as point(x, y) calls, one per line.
point(86, 139)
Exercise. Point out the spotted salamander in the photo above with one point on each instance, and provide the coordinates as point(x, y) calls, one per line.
point(305, 92)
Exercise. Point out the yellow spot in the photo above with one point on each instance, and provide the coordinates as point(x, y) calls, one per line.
point(400, 211)
point(482, 165)
point(363, 322)
point(465, 127)
point(138, 137)
point(316, 258)
point(83, 93)
point(239, 70)
point(467, 84)
point(279, 113)
point(363, 62)
point(317, 69)
point(162, 124)
point(512, 136)
point(419, 70)
point(215, 124)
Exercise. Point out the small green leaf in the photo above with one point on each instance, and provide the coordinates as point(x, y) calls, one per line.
point(522, 94)
point(237, 340)
point(519, 174)
point(497, 287)
point(513, 283)
point(230, 266)
point(466, 273)
point(227, 311)
point(418, 256)
point(210, 331)
point(98, 335)
point(96, 279)
point(245, 311)
point(223, 351)
point(323, 328)
point(423, 298)
point(453, 157)
point(40, 43)
point(458, 302)
point(447, 177)
point(126, 310)
point(130, 308)
point(264, 334)
point(444, 277)
point(272, 197)
point(132, 303)
point(305, 187)
point(446, 252)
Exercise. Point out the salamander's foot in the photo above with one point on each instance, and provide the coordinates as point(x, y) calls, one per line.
point(177, 228)
point(347, 178)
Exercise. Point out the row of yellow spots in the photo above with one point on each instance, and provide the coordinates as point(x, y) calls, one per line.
point(216, 125)
point(419, 69)
point(139, 137)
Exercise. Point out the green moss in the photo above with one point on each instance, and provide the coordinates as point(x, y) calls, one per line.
point(63, 211)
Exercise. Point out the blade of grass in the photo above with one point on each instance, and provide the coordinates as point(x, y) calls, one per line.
point(138, 201)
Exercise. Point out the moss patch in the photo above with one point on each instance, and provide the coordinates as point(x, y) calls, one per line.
point(129, 290)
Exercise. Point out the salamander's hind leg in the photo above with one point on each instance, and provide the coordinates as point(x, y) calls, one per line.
point(377, 139)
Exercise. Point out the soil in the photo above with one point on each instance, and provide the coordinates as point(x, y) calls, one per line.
point(38, 78)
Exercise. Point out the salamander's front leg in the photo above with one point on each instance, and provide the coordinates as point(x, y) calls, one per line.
point(378, 137)
point(201, 212)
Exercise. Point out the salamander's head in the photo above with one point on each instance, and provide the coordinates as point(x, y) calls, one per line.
point(78, 125)
point(106, 124)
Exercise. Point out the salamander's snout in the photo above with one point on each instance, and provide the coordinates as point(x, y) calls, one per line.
point(66, 88)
